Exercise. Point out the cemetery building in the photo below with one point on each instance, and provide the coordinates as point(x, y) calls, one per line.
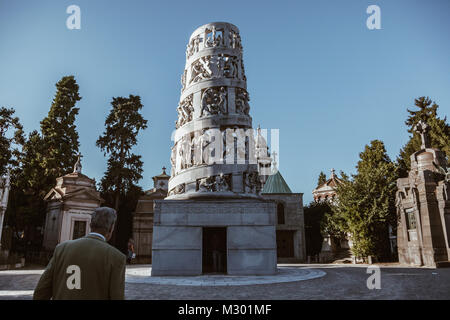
point(290, 229)
point(69, 207)
point(326, 191)
point(332, 248)
point(423, 207)
point(214, 219)
point(143, 217)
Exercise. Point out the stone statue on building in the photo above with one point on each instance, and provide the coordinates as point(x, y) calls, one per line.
point(77, 167)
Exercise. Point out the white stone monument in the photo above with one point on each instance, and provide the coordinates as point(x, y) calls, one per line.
point(5, 185)
point(214, 219)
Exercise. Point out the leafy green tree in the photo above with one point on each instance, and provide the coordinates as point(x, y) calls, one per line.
point(314, 214)
point(44, 157)
point(31, 178)
point(124, 169)
point(123, 125)
point(322, 178)
point(26, 207)
point(59, 131)
point(366, 204)
point(11, 138)
point(439, 132)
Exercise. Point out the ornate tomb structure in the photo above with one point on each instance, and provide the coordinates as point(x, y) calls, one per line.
point(214, 219)
point(69, 207)
point(423, 207)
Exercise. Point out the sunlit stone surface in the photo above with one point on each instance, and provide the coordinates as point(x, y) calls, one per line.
point(214, 219)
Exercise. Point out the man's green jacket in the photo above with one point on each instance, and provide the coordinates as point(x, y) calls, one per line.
point(83, 269)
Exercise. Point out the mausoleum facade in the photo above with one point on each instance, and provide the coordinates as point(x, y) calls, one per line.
point(69, 207)
point(423, 207)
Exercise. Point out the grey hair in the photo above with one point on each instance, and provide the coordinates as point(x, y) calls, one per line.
point(103, 219)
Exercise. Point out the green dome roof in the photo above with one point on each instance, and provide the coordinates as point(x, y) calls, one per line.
point(276, 184)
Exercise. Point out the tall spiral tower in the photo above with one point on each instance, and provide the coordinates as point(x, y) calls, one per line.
point(214, 219)
point(213, 152)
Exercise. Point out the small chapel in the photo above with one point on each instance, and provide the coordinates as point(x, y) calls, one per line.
point(70, 204)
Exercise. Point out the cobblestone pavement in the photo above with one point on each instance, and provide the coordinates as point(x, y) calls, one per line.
point(284, 274)
point(339, 282)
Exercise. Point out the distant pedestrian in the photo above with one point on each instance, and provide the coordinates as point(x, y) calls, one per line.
point(131, 255)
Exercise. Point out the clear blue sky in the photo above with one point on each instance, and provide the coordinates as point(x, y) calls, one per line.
point(314, 71)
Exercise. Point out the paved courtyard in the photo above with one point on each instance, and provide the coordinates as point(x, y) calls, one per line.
point(294, 281)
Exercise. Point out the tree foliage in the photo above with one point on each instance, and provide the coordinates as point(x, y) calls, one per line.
point(322, 178)
point(11, 139)
point(124, 170)
point(366, 204)
point(439, 132)
point(122, 127)
point(45, 156)
point(59, 131)
point(314, 215)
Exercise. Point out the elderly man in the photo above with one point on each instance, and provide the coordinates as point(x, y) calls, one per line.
point(86, 268)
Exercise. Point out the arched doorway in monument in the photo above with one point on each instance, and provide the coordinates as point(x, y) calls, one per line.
point(214, 250)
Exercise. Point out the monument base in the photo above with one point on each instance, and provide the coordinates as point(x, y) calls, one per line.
point(234, 236)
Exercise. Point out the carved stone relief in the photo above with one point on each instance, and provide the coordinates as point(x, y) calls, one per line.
point(185, 111)
point(177, 190)
point(214, 37)
point(234, 40)
point(242, 99)
point(215, 67)
point(193, 46)
point(252, 184)
point(218, 183)
point(214, 101)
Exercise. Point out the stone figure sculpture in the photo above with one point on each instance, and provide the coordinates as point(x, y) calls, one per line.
point(251, 182)
point(221, 183)
point(214, 101)
point(77, 166)
point(242, 100)
point(206, 184)
point(201, 70)
point(422, 128)
point(185, 111)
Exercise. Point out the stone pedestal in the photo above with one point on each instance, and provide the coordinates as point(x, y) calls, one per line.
point(326, 253)
point(178, 235)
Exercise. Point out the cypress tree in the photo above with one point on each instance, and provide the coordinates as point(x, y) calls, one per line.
point(59, 131)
